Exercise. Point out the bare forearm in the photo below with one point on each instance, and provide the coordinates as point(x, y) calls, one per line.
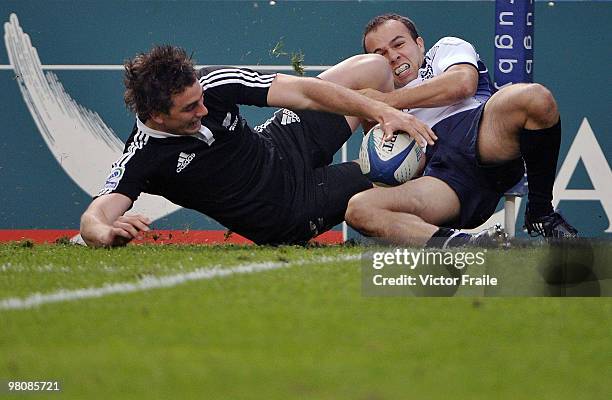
point(446, 89)
point(94, 230)
point(324, 96)
point(104, 223)
point(320, 95)
point(316, 94)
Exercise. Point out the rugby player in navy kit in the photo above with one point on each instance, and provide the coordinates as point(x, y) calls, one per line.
point(272, 184)
point(483, 139)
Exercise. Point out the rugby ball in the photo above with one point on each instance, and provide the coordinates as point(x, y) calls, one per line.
point(390, 163)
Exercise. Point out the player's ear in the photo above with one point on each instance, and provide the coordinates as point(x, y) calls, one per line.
point(421, 43)
point(158, 117)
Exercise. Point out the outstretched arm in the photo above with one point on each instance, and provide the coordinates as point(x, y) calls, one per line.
point(316, 94)
point(104, 225)
point(458, 83)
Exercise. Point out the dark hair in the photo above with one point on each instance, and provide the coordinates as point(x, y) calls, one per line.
point(381, 19)
point(152, 78)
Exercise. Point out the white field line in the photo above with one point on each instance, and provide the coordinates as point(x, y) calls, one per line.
point(118, 67)
point(153, 282)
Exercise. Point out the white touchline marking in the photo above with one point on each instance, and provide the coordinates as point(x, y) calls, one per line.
point(153, 282)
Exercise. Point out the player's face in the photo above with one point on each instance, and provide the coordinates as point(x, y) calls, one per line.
point(392, 40)
point(184, 117)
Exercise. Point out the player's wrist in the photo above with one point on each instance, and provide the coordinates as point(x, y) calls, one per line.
point(400, 99)
point(381, 112)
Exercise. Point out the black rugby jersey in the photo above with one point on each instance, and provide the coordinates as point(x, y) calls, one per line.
point(229, 171)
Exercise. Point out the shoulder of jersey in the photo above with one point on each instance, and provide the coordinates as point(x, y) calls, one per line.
point(450, 40)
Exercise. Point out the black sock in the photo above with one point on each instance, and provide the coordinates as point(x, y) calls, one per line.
point(540, 150)
point(448, 237)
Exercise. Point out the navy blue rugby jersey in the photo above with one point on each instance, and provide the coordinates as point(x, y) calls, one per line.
point(227, 171)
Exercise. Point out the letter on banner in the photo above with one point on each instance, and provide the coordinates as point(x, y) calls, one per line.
point(499, 42)
point(502, 20)
point(513, 24)
point(506, 66)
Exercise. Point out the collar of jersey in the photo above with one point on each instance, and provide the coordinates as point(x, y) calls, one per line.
point(204, 134)
point(153, 132)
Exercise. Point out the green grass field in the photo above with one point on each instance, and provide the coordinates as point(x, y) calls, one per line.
point(299, 329)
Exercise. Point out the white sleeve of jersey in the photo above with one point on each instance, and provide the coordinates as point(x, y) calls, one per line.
point(449, 51)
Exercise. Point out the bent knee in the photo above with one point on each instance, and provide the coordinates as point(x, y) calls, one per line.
point(375, 71)
point(363, 208)
point(361, 72)
point(542, 108)
point(359, 212)
point(372, 62)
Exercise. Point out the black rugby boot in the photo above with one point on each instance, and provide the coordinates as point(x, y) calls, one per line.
point(552, 225)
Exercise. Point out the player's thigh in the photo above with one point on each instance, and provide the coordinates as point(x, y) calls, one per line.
point(503, 118)
point(334, 186)
point(427, 197)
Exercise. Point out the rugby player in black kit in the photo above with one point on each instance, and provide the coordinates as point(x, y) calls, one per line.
point(272, 184)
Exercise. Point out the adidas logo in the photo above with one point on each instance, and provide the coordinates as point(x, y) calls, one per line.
point(183, 161)
point(289, 117)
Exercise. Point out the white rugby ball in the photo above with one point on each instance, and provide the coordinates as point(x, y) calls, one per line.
point(390, 163)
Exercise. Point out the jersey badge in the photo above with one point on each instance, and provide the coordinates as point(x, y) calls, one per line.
point(113, 178)
point(183, 161)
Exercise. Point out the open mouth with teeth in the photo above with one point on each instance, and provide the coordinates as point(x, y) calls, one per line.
point(401, 69)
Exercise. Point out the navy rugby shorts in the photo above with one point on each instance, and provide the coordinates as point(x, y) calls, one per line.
point(454, 160)
point(309, 140)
